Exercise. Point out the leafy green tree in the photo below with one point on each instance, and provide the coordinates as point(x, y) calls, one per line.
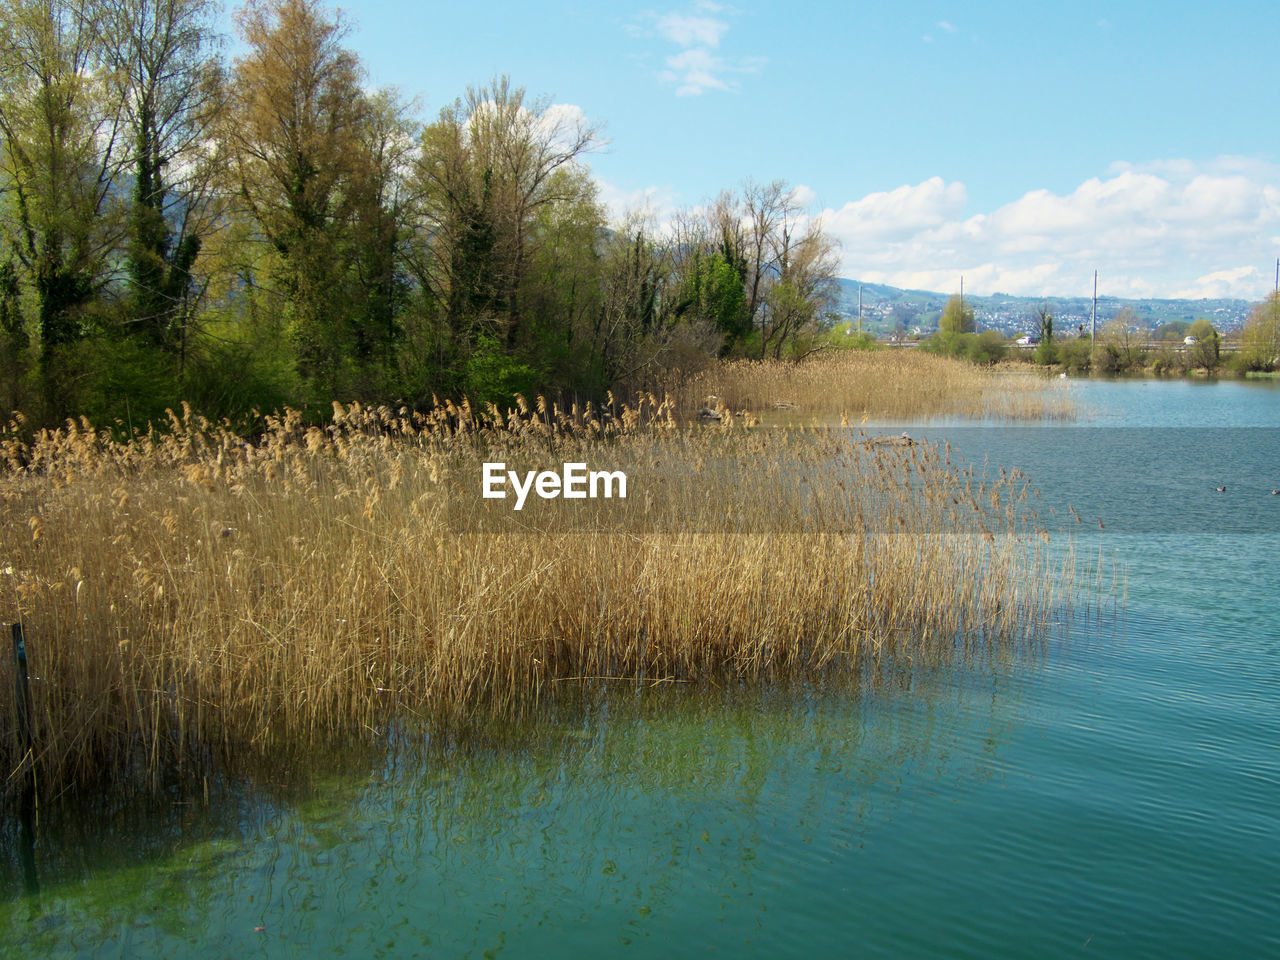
point(494, 376)
point(720, 296)
point(1260, 341)
point(956, 317)
point(166, 72)
point(765, 236)
point(1201, 329)
point(59, 149)
point(295, 132)
point(15, 341)
point(562, 292)
point(1206, 352)
point(1075, 354)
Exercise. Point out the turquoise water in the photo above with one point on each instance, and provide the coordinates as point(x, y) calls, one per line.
point(1113, 792)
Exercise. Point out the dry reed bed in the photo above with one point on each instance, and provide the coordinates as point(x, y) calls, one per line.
point(200, 595)
point(902, 384)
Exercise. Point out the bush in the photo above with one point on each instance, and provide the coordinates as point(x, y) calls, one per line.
point(1167, 362)
point(853, 340)
point(1107, 359)
point(986, 348)
point(230, 379)
point(1046, 354)
point(946, 343)
point(1076, 356)
point(983, 348)
point(495, 377)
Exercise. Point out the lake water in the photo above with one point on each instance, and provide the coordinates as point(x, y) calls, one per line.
point(1115, 791)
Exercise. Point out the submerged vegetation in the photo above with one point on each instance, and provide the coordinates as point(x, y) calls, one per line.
point(197, 596)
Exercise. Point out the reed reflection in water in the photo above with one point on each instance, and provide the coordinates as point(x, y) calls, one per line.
point(678, 814)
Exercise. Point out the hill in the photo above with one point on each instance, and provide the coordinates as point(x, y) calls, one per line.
point(886, 309)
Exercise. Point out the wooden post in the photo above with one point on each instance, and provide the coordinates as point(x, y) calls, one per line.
point(21, 688)
point(27, 797)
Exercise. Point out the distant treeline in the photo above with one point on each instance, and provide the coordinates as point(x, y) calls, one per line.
point(270, 230)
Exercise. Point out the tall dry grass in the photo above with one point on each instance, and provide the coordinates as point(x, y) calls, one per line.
point(197, 595)
point(880, 385)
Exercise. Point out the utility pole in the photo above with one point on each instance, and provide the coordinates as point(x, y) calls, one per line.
point(1093, 319)
point(860, 302)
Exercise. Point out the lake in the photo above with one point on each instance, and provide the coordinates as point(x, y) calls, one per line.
point(1110, 791)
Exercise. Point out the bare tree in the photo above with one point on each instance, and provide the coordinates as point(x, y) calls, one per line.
point(489, 164)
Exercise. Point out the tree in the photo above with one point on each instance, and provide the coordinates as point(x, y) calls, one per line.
point(658, 303)
point(1260, 341)
point(803, 294)
point(376, 242)
point(986, 348)
point(956, 317)
point(292, 129)
point(1206, 352)
point(14, 340)
point(786, 261)
point(1201, 329)
point(166, 72)
point(1047, 352)
point(60, 151)
point(1120, 346)
point(487, 167)
point(1173, 330)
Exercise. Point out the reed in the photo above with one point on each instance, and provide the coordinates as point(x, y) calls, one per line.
point(196, 595)
point(903, 384)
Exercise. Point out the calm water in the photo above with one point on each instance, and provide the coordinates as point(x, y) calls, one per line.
point(1116, 792)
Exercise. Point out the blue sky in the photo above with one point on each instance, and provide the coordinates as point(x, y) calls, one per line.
point(1021, 145)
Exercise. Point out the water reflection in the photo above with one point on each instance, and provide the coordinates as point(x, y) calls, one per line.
point(615, 815)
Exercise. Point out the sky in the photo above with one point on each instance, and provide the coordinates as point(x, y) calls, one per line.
point(1020, 145)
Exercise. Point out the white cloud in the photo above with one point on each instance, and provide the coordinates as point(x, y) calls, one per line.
point(1146, 228)
point(695, 72)
point(697, 67)
point(653, 204)
point(692, 31)
point(899, 214)
point(1240, 282)
point(948, 27)
point(803, 196)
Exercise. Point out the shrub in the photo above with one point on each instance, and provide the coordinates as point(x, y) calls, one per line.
point(986, 348)
point(1166, 362)
point(1046, 354)
point(1076, 356)
point(495, 377)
